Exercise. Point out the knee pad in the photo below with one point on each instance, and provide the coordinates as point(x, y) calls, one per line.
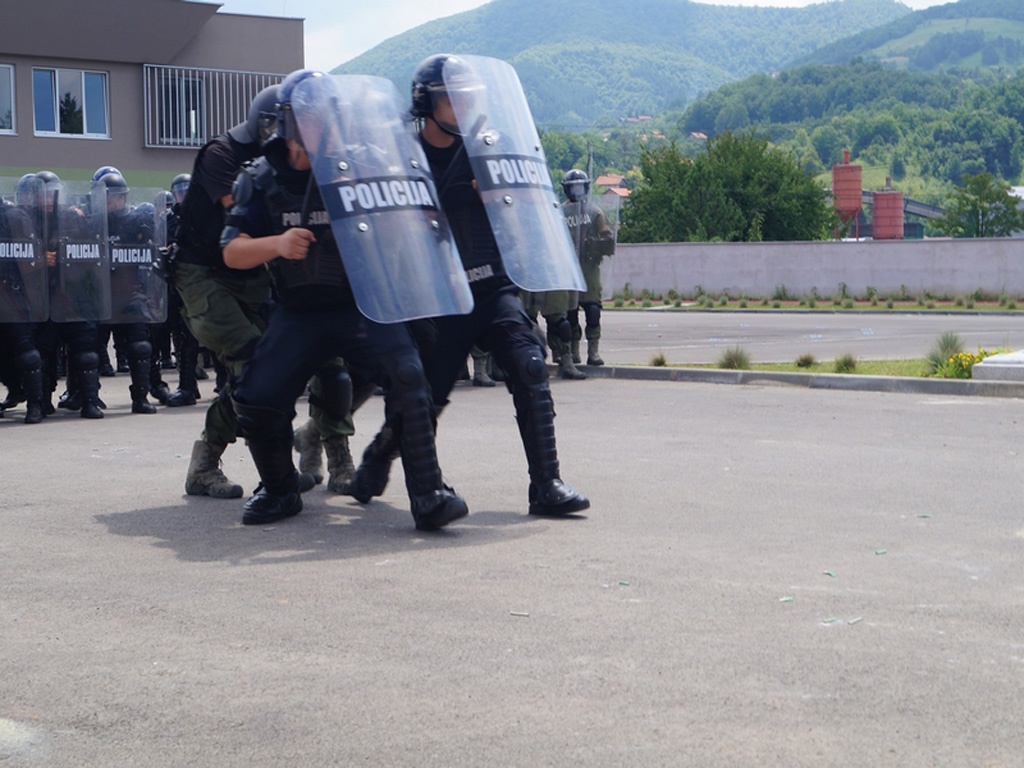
point(405, 373)
point(30, 360)
point(335, 395)
point(87, 361)
point(529, 366)
point(559, 327)
point(137, 350)
point(593, 312)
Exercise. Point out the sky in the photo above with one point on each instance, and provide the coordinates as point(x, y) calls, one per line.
point(338, 31)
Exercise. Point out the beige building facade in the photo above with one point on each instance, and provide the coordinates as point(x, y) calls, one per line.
point(137, 84)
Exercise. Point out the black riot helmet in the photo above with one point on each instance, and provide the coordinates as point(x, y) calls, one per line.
point(103, 170)
point(117, 193)
point(259, 125)
point(443, 75)
point(25, 191)
point(49, 181)
point(286, 125)
point(576, 185)
point(179, 186)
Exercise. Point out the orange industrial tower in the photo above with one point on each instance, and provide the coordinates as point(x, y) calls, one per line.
point(887, 213)
point(846, 192)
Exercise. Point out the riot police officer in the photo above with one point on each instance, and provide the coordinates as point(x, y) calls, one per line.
point(279, 217)
point(79, 296)
point(130, 226)
point(498, 322)
point(23, 302)
point(223, 308)
point(594, 240)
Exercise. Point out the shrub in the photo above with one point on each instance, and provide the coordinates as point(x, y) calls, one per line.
point(805, 360)
point(846, 363)
point(736, 359)
point(888, 304)
point(946, 346)
point(659, 361)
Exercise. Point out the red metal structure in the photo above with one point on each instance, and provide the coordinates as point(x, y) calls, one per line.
point(846, 192)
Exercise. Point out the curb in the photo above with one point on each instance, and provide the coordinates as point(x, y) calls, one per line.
point(848, 382)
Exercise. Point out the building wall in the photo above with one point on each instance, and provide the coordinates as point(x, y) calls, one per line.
point(939, 266)
point(225, 41)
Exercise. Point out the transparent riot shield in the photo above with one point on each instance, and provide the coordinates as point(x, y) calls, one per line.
point(395, 243)
point(592, 227)
point(512, 174)
point(75, 238)
point(138, 294)
point(24, 292)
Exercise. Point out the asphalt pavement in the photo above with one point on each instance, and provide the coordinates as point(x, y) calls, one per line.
point(769, 575)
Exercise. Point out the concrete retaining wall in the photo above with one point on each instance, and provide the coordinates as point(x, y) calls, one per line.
point(939, 266)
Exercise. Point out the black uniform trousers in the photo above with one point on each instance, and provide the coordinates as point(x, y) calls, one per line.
point(498, 324)
point(297, 344)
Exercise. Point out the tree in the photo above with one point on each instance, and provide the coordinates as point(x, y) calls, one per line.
point(70, 115)
point(740, 188)
point(982, 207)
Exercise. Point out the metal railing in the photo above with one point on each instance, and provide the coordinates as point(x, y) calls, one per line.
point(184, 107)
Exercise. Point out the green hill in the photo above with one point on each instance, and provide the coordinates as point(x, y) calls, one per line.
point(966, 35)
point(586, 64)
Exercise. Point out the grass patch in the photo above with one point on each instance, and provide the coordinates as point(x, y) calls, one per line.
point(913, 368)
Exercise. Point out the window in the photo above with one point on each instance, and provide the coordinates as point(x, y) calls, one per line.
point(70, 102)
point(180, 112)
point(6, 98)
point(185, 107)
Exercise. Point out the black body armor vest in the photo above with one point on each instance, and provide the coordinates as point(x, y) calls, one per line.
point(319, 280)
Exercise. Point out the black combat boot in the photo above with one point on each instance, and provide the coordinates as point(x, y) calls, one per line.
point(31, 366)
point(535, 414)
point(269, 435)
point(157, 386)
point(139, 356)
point(88, 378)
point(371, 477)
point(433, 503)
point(187, 392)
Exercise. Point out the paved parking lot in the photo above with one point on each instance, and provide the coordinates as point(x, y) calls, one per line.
point(769, 576)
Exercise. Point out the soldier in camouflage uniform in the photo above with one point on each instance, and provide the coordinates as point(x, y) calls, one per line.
point(594, 240)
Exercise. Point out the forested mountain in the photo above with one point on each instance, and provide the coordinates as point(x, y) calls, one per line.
point(605, 59)
point(925, 130)
point(968, 34)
